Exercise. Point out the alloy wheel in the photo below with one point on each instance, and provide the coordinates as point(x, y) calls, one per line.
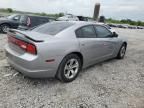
point(71, 68)
point(5, 28)
point(122, 52)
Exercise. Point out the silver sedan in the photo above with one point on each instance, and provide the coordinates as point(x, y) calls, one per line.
point(61, 49)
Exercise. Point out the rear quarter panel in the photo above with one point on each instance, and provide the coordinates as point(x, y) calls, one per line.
point(57, 47)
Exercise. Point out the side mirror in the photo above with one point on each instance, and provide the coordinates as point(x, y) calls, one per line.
point(114, 34)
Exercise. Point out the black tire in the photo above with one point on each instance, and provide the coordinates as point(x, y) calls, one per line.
point(3, 26)
point(60, 74)
point(122, 49)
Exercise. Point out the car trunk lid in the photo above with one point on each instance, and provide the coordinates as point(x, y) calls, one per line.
point(24, 41)
point(31, 35)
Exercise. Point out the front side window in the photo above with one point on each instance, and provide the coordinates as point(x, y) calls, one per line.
point(102, 32)
point(86, 32)
point(16, 18)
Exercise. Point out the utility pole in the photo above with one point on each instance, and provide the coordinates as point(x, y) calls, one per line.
point(96, 11)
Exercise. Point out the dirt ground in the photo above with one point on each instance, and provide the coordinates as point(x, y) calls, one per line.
point(111, 84)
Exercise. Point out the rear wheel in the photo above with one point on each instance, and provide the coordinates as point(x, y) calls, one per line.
point(69, 68)
point(4, 28)
point(122, 52)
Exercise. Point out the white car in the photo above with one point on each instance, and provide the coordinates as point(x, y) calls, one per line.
point(61, 49)
point(68, 17)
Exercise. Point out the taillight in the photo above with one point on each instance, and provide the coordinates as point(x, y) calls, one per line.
point(28, 47)
point(31, 49)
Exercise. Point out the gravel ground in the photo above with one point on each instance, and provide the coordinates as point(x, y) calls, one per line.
point(111, 84)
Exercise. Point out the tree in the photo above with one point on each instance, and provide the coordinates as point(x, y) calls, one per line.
point(43, 14)
point(139, 23)
point(61, 14)
point(124, 21)
point(9, 10)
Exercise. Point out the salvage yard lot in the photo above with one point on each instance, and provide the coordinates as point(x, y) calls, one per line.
point(111, 84)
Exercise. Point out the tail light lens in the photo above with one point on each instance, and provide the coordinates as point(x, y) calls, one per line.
point(28, 47)
point(31, 48)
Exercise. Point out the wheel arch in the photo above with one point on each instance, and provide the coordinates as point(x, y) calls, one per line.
point(125, 43)
point(79, 55)
point(6, 24)
point(74, 52)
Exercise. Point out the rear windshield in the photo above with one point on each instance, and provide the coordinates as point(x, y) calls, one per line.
point(52, 28)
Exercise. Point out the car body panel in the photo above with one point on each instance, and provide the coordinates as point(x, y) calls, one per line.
point(13, 24)
point(57, 47)
point(100, 48)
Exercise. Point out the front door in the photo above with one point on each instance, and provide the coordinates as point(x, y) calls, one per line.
point(108, 43)
point(89, 44)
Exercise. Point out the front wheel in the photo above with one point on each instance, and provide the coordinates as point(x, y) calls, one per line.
point(69, 68)
point(122, 52)
point(4, 28)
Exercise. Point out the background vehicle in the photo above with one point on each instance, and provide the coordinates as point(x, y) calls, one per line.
point(21, 21)
point(82, 18)
point(61, 49)
point(113, 25)
point(28, 21)
point(68, 17)
point(9, 22)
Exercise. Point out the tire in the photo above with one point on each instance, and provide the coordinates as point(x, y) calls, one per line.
point(4, 28)
point(65, 71)
point(122, 52)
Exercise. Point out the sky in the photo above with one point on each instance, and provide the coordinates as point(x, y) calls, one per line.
point(117, 9)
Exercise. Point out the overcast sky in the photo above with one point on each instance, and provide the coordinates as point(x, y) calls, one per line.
point(118, 9)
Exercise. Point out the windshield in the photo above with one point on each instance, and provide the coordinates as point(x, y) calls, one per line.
point(52, 28)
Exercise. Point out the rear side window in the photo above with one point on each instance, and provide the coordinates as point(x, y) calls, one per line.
point(53, 28)
point(86, 32)
point(35, 21)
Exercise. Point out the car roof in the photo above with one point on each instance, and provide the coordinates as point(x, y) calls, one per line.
point(83, 22)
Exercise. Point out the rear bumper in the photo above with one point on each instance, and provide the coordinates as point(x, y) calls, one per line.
point(32, 73)
point(31, 66)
